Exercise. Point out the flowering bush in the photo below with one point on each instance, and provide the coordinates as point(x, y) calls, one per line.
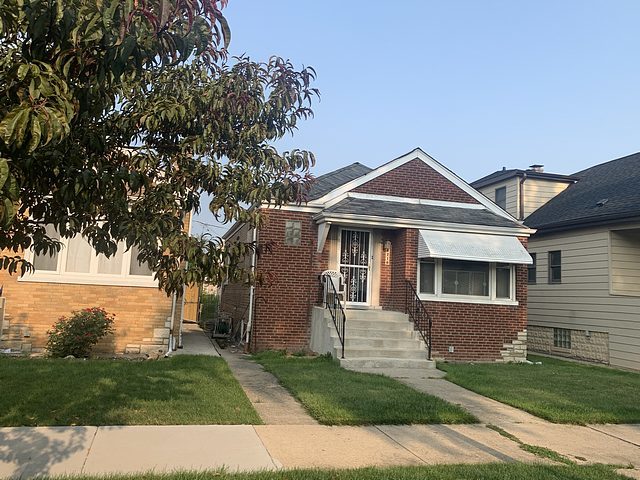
point(76, 335)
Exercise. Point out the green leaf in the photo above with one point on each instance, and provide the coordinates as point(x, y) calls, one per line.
point(22, 71)
point(11, 121)
point(36, 133)
point(4, 171)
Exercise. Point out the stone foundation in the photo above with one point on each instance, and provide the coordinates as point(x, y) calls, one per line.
point(516, 351)
point(585, 344)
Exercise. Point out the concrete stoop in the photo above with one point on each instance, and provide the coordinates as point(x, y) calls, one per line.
point(380, 339)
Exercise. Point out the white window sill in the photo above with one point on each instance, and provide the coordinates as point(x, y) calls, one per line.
point(79, 279)
point(468, 299)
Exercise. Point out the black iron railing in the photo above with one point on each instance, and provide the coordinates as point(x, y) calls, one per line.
point(334, 305)
point(418, 315)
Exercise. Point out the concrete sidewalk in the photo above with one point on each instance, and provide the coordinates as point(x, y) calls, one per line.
point(27, 452)
point(196, 342)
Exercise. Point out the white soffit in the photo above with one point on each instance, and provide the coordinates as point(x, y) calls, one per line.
point(478, 247)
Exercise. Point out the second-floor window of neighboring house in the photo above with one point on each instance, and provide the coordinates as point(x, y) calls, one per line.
point(555, 267)
point(531, 270)
point(501, 197)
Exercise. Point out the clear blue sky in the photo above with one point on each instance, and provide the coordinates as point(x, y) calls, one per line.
point(476, 84)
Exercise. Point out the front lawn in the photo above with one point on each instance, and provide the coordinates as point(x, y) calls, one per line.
point(559, 391)
point(180, 390)
point(492, 471)
point(335, 396)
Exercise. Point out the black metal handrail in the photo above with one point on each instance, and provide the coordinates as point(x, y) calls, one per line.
point(334, 305)
point(418, 314)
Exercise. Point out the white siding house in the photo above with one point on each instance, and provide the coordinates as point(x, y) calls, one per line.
point(584, 287)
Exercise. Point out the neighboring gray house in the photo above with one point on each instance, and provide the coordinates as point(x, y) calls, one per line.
point(521, 192)
point(584, 287)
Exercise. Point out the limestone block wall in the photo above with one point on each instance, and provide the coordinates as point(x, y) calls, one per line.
point(590, 346)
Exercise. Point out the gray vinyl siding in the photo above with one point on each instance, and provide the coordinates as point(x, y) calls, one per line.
point(538, 192)
point(583, 301)
point(625, 262)
point(512, 194)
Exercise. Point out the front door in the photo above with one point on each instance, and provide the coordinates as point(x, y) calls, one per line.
point(355, 256)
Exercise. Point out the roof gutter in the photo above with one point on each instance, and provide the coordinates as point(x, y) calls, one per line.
point(586, 223)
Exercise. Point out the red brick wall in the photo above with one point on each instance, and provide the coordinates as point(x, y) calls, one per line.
point(415, 179)
point(404, 254)
point(283, 303)
point(476, 331)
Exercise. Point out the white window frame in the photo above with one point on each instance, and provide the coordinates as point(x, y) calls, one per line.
point(491, 299)
point(124, 278)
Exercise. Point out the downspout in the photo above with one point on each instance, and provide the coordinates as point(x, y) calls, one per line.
point(184, 287)
point(521, 196)
point(173, 314)
point(184, 291)
point(252, 287)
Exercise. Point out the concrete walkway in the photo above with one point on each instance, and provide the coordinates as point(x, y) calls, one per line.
point(196, 342)
point(488, 411)
point(274, 403)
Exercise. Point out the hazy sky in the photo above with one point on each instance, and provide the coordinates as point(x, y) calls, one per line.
point(476, 84)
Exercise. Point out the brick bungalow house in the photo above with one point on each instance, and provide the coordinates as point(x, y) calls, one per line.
point(408, 231)
point(147, 320)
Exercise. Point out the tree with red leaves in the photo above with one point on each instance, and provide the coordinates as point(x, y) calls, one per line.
point(116, 116)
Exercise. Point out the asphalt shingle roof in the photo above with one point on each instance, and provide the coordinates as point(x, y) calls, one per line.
point(412, 211)
point(605, 192)
point(332, 180)
point(501, 175)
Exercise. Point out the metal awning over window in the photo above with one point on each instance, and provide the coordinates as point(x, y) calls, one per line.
point(478, 247)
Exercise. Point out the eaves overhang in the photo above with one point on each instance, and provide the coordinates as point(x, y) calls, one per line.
point(389, 223)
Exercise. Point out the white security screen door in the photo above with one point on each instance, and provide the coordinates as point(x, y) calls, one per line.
point(355, 253)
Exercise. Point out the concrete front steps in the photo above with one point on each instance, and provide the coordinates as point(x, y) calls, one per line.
point(379, 339)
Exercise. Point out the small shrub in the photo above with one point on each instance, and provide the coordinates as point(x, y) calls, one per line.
point(76, 335)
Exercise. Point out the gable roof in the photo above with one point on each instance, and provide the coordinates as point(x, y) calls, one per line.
point(340, 192)
point(502, 175)
point(332, 180)
point(604, 193)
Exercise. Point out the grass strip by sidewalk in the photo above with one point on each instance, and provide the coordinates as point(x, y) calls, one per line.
point(335, 396)
point(185, 389)
point(556, 390)
point(542, 452)
point(492, 471)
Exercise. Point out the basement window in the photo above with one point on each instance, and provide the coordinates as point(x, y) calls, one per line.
point(562, 338)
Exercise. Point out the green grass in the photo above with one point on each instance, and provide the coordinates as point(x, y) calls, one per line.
point(180, 390)
point(335, 396)
point(559, 391)
point(492, 471)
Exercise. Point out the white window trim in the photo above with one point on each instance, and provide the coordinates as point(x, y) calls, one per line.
point(491, 299)
point(123, 279)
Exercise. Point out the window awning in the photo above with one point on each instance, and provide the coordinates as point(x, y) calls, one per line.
point(477, 247)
